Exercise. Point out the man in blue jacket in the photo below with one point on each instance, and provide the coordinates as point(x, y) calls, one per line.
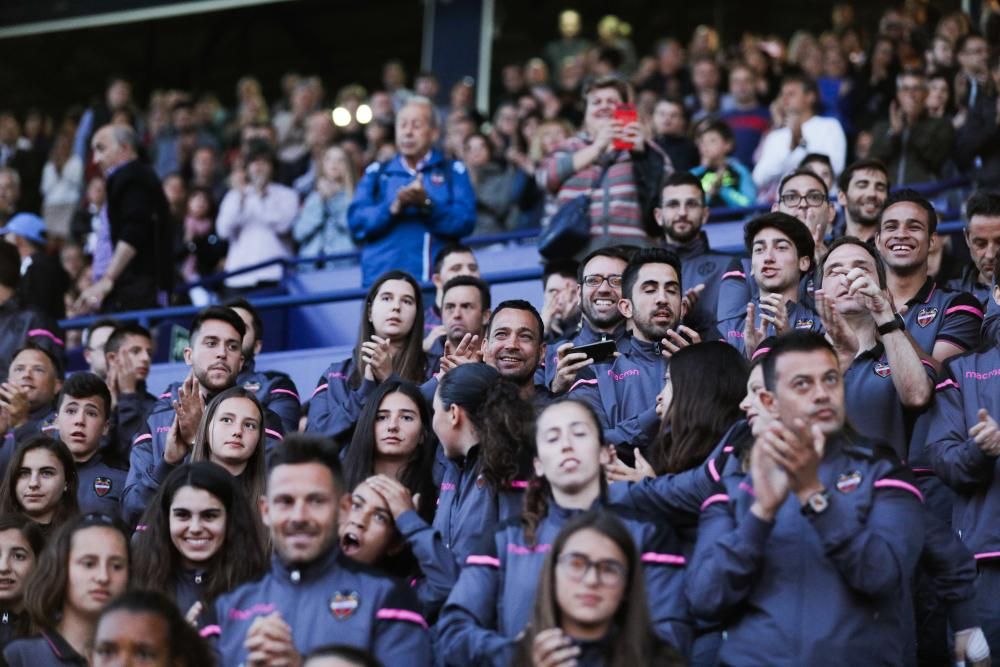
point(313, 592)
point(808, 559)
point(406, 209)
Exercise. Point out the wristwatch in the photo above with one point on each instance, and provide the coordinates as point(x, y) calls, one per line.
point(816, 503)
point(896, 324)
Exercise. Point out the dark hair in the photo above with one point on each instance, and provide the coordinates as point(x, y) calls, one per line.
point(868, 247)
point(807, 82)
point(351, 654)
point(816, 157)
point(788, 225)
point(67, 507)
point(117, 337)
point(469, 281)
point(221, 313)
point(913, 197)
point(802, 172)
point(253, 480)
point(411, 363)
point(982, 202)
point(241, 557)
point(794, 341)
point(623, 88)
point(57, 365)
point(85, 385)
point(643, 257)
point(259, 149)
point(682, 178)
point(300, 448)
point(101, 324)
point(449, 249)
point(10, 265)
point(622, 252)
point(255, 319)
point(45, 591)
point(536, 498)
point(416, 475)
point(567, 268)
point(503, 420)
point(486, 142)
point(710, 381)
point(677, 102)
point(633, 641)
point(717, 126)
point(32, 534)
point(867, 164)
point(516, 304)
point(186, 646)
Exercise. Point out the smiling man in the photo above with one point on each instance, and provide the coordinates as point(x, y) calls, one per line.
point(312, 591)
point(28, 396)
point(864, 185)
point(215, 356)
point(941, 321)
point(514, 347)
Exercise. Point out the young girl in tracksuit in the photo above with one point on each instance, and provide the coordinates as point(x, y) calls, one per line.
point(491, 602)
point(21, 543)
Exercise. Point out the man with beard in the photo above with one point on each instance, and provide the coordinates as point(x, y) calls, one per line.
point(514, 347)
point(128, 354)
point(623, 392)
point(864, 185)
point(781, 252)
point(600, 283)
point(982, 234)
point(465, 310)
point(215, 355)
point(682, 215)
point(942, 322)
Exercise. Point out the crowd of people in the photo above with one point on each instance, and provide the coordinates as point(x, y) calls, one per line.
point(782, 457)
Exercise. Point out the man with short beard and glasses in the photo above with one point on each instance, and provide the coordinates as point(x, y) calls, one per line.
point(600, 284)
point(623, 392)
point(942, 322)
point(982, 234)
point(215, 355)
point(863, 187)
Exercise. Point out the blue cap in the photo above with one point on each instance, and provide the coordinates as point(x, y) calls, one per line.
point(28, 225)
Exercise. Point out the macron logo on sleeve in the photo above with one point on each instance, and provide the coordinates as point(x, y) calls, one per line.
point(988, 375)
point(618, 377)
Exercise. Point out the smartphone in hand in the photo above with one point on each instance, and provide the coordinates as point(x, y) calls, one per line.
point(625, 114)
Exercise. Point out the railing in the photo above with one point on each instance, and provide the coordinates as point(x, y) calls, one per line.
point(716, 215)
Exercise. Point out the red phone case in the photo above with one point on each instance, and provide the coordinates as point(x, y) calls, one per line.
point(625, 114)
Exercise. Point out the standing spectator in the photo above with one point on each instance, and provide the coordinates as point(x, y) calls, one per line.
point(43, 282)
point(176, 144)
point(201, 251)
point(62, 181)
point(16, 152)
point(87, 219)
point(569, 45)
point(133, 260)
point(255, 219)
point(10, 193)
point(876, 83)
point(670, 132)
point(117, 96)
point(726, 181)
point(705, 77)
point(319, 136)
point(493, 184)
point(743, 112)
point(206, 173)
point(321, 226)
point(797, 132)
point(913, 145)
point(419, 199)
point(670, 79)
point(621, 207)
point(977, 140)
point(836, 89)
point(973, 77)
point(291, 132)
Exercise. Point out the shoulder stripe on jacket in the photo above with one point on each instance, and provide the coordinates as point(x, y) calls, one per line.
point(320, 388)
point(947, 383)
point(483, 560)
point(716, 498)
point(142, 438)
point(582, 381)
point(969, 309)
point(663, 559)
point(285, 391)
point(401, 615)
point(898, 484)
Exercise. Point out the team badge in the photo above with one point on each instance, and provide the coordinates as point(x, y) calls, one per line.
point(252, 387)
point(882, 369)
point(848, 481)
point(343, 604)
point(926, 316)
point(803, 324)
point(102, 486)
point(437, 178)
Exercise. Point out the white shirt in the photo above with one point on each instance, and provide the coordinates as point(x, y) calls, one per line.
point(819, 135)
point(256, 227)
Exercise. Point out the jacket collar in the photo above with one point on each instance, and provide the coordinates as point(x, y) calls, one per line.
point(643, 350)
point(299, 573)
point(694, 248)
point(925, 293)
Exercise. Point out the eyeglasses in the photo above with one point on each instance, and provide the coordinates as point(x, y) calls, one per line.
point(596, 280)
point(813, 198)
point(576, 566)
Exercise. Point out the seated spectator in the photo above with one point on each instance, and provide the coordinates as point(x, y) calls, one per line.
point(44, 282)
point(21, 543)
point(515, 346)
point(128, 355)
point(836, 88)
point(725, 180)
point(290, 610)
point(704, 101)
point(417, 198)
point(982, 235)
point(41, 483)
point(743, 113)
point(254, 219)
point(940, 99)
point(321, 226)
point(29, 395)
point(147, 625)
point(670, 133)
point(18, 323)
point(62, 182)
point(207, 174)
point(561, 306)
point(454, 259)
point(201, 538)
point(84, 405)
point(493, 184)
point(202, 251)
point(547, 137)
point(389, 342)
point(617, 626)
point(797, 131)
point(862, 190)
point(84, 568)
point(975, 150)
point(820, 165)
point(466, 313)
point(913, 145)
point(623, 214)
